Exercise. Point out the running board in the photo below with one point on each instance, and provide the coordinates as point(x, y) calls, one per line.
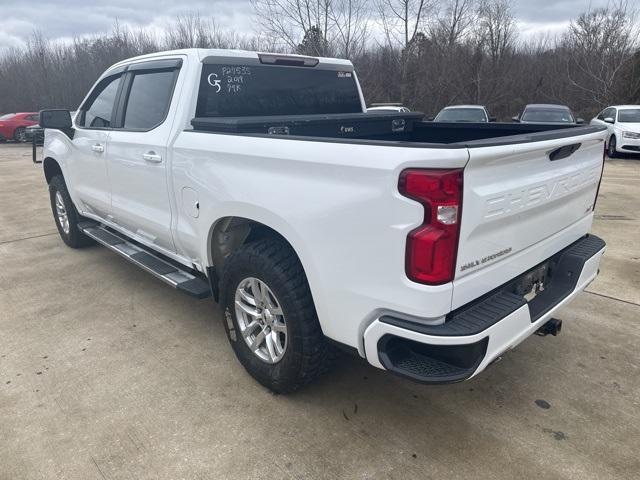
point(169, 273)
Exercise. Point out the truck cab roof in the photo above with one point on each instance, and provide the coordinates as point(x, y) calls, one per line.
point(206, 55)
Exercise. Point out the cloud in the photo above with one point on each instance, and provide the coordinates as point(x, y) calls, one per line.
point(64, 19)
point(552, 12)
point(57, 19)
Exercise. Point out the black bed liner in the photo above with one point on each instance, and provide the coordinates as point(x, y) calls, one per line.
point(388, 128)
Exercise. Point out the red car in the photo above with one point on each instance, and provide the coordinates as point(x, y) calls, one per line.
point(12, 125)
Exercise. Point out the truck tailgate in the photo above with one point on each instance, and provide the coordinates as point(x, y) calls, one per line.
point(519, 197)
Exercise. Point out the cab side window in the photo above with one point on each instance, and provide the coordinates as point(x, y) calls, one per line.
point(601, 115)
point(149, 99)
point(98, 110)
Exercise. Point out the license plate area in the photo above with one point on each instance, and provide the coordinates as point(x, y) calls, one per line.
point(532, 283)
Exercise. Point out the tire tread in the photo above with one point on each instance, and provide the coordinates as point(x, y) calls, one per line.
point(313, 357)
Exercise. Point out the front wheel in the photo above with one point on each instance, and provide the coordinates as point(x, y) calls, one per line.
point(611, 148)
point(65, 215)
point(270, 318)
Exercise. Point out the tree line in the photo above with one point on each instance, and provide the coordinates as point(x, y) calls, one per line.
point(424, 53)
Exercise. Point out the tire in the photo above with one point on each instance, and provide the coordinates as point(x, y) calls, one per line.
point(69, 231)
point(306, 351)
point(611, 147)
point(20, 135)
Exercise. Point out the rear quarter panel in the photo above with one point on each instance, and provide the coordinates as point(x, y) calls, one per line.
point(336, 203)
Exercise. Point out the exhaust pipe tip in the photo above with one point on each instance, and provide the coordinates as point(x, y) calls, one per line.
point(552, 327)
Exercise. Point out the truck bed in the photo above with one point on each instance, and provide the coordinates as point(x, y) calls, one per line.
point(385, 127)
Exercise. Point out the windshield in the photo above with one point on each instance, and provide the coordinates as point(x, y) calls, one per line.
point(7, 116)
point(461, 115)
point(265, 90)
point(547, 115)
point(630, 115)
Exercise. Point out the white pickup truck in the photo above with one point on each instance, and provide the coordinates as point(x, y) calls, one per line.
point(430, 249)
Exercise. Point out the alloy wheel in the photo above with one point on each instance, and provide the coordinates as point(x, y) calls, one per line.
point(260, 320)
point(61, 213)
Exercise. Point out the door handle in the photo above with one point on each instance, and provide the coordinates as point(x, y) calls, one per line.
point(152, 157)
point(97, 148)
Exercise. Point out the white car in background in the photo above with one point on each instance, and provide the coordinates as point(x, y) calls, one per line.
point(623, 125)
point(463, 113)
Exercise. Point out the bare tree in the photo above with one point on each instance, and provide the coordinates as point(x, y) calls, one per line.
point(289, 21)
point(497, 28)
point(454, 21)
point(494, 48)
point(350, 21)
point(603, 42)
point(402, 20)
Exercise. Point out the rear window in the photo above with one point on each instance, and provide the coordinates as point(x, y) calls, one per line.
point(551, 115)
point(461, 115)
point(7, 116)
point(264, 90)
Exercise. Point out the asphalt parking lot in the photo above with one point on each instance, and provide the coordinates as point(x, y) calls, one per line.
point(107, 373)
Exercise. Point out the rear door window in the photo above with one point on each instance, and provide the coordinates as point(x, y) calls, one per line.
point(149, 99)
point(267, 90)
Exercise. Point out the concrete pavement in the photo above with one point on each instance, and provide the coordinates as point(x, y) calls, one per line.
point(107, 373)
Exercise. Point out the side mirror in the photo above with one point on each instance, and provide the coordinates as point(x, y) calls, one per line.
point(430, 119)
point(579, 121)
point(493, 119)
point(515, 119)
point(58, 119)
point(609, 120)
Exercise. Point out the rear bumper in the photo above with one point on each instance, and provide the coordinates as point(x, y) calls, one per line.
point(477, 333)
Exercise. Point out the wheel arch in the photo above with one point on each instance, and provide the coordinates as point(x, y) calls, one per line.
point(230, 232)
point(51, 168)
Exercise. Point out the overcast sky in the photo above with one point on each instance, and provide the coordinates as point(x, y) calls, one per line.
point(64, 19)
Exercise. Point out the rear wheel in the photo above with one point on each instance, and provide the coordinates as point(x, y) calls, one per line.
point(66, 215)
point(611, 148)
point(270, 318)
point(20, 135)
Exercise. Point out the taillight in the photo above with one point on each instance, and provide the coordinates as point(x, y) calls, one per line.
point(432, 247)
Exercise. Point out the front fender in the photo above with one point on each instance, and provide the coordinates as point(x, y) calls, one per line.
point(57, 147)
